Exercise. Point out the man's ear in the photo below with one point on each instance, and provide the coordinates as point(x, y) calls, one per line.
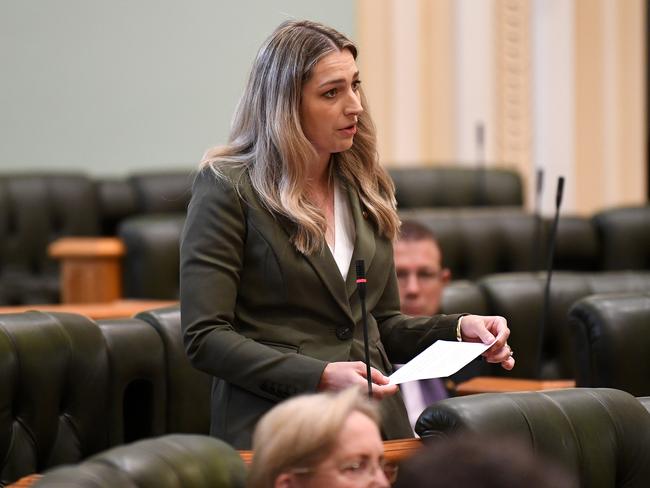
point(286, 480)
point(445, 276)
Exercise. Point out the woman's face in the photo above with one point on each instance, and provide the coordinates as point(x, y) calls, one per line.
point(356, 460)
point(331, 104)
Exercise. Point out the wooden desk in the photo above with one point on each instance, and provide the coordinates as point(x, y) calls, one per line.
point(96, 311)
point(494, 384)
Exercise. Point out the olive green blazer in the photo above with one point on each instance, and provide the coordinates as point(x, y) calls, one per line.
point(264, 319)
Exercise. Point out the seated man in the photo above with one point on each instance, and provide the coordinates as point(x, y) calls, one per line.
point(422, 279)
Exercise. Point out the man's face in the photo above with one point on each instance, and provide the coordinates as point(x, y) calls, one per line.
point(420, 276)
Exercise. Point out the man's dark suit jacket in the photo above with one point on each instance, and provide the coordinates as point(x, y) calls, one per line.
point(265, 320)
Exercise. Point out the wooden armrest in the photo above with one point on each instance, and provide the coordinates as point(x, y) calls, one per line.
point(493, 384)
point(87, 247)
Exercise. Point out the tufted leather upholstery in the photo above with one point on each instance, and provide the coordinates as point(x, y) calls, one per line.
point(188, 389)
point(612, 341)
point(645, 401)
point(34, 211)
point(601, 435)
point(173, 461)
point(162, 192)
point(520, 296)
point(451, 186)
point(152, 260)
point(71, 387)
point(476, 242)
point(625, 236)
point(137, 386)
point(53, 391)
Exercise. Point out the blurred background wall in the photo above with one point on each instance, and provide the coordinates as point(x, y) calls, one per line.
point(554, 84)
point(112, 87)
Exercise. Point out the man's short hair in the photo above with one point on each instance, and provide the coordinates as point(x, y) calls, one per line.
point(415, 231)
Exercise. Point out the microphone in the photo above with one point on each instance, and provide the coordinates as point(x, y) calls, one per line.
point(479, 135)
point(361, 289)
point(536, 256)
point(549, 271)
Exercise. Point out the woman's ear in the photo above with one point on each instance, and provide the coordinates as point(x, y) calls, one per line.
point(286, 480)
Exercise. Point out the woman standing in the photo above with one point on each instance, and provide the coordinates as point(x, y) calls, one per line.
point(268, 303)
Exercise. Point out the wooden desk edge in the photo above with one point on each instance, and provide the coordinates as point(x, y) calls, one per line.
point(394, 451)
point(86, 247)
point(492, 384)
point(95, 311)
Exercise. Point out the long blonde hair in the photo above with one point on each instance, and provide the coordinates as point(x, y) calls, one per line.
point(302, 431)
point(267, 137)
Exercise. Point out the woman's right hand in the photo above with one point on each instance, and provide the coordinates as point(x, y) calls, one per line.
point(342, 375)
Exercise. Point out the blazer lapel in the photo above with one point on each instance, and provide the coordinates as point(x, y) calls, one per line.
point(326, 268)
point(324, 265)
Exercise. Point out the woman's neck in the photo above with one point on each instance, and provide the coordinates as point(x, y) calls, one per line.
point(319, 178)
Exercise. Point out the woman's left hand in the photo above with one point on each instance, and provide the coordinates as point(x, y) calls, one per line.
point(487, 329)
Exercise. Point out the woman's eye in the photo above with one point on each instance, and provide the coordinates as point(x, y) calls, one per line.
point(356, 84)
point(356, 466)
point(330, 93)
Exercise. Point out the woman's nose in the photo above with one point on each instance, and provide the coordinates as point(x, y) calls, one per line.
point(354, 106)
point(380, 480)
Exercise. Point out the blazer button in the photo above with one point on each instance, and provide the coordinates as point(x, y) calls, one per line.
point(343, 333)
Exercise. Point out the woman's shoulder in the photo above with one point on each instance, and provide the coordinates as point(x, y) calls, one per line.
point(223, 175)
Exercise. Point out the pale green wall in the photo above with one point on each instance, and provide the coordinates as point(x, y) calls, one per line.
point(113, 86)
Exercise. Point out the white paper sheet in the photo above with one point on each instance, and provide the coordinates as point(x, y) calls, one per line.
point(441, 359)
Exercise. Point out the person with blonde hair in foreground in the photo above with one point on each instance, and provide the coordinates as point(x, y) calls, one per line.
point(320, 440)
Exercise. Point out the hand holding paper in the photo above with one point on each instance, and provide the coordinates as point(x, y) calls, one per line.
point(441, 359)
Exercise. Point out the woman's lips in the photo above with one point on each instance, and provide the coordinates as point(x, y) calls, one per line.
point(349, 131)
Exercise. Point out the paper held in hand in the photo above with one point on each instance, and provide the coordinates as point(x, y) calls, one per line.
point(441, 359)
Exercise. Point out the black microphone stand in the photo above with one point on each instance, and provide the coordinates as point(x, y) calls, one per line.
point(361, 288)
point(549, 271)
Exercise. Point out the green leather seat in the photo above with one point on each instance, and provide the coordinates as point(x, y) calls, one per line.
point(172, 461)
point(602, 436)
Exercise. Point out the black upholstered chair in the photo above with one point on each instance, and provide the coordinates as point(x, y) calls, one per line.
point(624, 235)
point(188, 389)
point(453, 186)
point(151, 263)
point(54, 394)
point(36, 209)
point(172, 461)
point(612, 340)
point(520, 297)
point(477, 242)
point(71, 387)
point(602, 436)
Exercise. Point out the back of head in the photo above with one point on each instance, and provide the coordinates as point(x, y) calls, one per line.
point(411, 230)
point(302, 431)
point(480, 462)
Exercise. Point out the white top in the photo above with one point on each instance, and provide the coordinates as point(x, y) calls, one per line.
point(344, 231)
